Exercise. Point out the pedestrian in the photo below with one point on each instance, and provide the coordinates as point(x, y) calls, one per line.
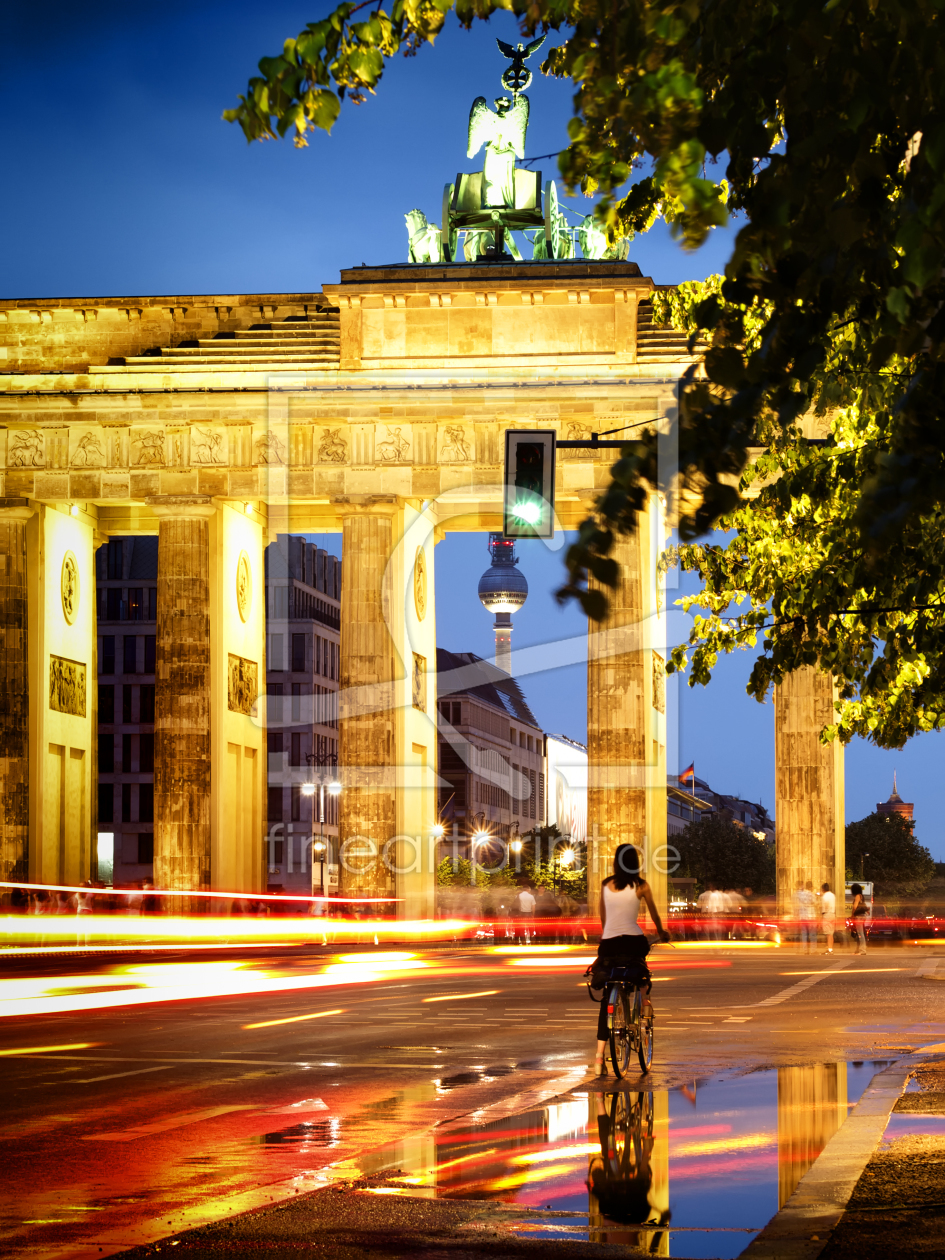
point(828, 916)
point(83, 908)
point(858, 914)
point(622, 939)
point(524, 908)
point(805, 912)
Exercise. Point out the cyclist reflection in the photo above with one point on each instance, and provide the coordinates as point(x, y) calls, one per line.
point(620, 1179)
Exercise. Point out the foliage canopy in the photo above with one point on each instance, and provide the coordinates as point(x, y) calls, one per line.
point(823, 127)
point(890, 854)
point(714, 850)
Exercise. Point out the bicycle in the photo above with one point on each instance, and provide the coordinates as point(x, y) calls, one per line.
point(626, 989)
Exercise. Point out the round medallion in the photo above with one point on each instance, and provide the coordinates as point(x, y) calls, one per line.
point(244, 586)
point(420, 583)
point(69, 587)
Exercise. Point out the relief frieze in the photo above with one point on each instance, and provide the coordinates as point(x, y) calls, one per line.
point(147, 447)
point(243, 688)
point(67, 686)
point(26, 449)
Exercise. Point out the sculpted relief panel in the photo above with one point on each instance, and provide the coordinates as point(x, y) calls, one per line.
point(67, 686)
point(243, 688)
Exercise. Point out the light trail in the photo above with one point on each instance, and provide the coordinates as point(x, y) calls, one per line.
point(74, 1045)
point(294, 1019)
point(462, 997)
point(158, 930)
point(175, 982)
point(196, 892)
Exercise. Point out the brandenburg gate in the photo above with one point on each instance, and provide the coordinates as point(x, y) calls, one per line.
point(376, 408)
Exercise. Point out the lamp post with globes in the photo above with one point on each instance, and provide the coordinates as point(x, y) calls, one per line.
point(333, 787)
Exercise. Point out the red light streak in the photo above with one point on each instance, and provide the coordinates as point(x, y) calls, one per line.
point(194, 892)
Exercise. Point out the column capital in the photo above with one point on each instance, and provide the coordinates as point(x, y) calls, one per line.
point(16, 509)
point(367, 504)
point(181, 506)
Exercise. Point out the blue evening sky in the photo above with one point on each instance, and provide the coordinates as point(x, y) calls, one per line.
point(122, 179)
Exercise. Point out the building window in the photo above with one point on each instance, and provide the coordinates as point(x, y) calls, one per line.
point(147, 702)
point(295, 752)
point(296, 802)
point(275, 804)
point(135, 603)
point(515, 797)
point(130, 661)
point(298, 653)
point(126, 702)
point(146, 755)
point(145, 848)
point(532, 812)
point(275, 653)
point(152, 603)
point(113, 604)
point(317, 648)
point(108, 654)
point(296, 702)
point(126, 753)
point(126, 802)
point(146, 802)
point(106, 802)
point(106, 702)
point(274, 692)
point(114, 558)
point(150, 653)
point(106, 754)
point(541, 796)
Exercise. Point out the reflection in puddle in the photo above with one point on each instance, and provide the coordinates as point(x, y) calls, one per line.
point(695, 1171)
point(913, 1124)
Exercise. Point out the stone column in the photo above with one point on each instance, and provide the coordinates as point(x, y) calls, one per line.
point(368, 716)
point(14, 692)
point(182, 843)
point(809, 807)
point(626, 801)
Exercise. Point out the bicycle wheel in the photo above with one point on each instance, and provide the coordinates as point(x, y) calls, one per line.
point(644, 1009)
point(620, 1023)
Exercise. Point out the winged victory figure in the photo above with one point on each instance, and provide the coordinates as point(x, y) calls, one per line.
point(503, 134)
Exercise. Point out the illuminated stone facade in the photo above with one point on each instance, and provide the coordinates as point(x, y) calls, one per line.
point(376, 409)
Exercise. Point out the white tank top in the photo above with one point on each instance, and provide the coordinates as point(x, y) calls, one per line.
point(622, 909)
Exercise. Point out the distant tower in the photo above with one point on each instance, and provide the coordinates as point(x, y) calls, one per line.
point(896, 805)
point(503, 590)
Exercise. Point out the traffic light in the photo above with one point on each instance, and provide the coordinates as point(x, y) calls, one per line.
point(529, 483)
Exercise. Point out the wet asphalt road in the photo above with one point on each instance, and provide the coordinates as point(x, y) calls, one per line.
point(176, 1113)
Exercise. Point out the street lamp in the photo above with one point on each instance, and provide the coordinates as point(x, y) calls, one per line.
point(333, 788)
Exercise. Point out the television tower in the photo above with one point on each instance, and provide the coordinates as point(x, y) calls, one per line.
point(503, 590)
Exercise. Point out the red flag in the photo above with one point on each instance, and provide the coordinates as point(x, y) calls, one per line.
point(689, 774)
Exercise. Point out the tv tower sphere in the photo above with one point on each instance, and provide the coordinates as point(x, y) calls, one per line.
point(503, 590)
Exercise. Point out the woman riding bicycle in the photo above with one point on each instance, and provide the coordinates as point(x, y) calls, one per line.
point(621, 937)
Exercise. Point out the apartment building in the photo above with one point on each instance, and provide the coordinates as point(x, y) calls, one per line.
point(126, 581)
point(303, 620)
point(491, 750)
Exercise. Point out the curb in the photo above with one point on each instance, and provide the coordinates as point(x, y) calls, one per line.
point(802, 1228)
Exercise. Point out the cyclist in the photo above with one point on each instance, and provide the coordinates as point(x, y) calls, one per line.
point(621, 937)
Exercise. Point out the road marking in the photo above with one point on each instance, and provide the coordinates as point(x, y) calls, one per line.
point(737, 1019)
point(928, 967)
point(783, 996)
point(113, 1076)
point(162, 1126)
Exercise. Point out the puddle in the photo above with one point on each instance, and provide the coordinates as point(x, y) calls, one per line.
point(696, 1171)
point(905, 1124)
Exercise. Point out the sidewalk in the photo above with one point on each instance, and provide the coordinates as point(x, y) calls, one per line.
point(898, 1206)
point(871, 1192)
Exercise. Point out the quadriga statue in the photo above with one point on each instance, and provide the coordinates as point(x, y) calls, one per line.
point(424, 238)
